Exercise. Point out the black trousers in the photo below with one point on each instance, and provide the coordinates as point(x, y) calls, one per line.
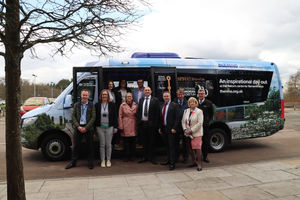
point(148, 135)
point(181, 150)
point(129, 147)
point(169, 140)
point(205, 142)
point(77, 145)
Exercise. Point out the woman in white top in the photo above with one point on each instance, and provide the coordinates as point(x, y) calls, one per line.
point(192, 122)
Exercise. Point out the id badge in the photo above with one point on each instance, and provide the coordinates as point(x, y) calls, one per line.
point(81, 122)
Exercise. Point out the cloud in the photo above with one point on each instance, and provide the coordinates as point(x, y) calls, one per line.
point(232, 29)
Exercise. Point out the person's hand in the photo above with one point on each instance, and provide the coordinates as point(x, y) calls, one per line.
point(115, 130)
point(188, 132)
point(173, 130)
point(159, 131)
point(83, 130)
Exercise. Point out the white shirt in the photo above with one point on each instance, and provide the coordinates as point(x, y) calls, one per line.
point(143, 117)
point(200, 102)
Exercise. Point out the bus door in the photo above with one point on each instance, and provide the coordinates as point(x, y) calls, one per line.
point(164, 79)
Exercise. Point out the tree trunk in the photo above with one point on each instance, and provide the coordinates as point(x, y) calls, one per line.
point(13, 56)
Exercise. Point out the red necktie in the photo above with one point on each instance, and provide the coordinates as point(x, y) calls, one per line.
point(163, 115)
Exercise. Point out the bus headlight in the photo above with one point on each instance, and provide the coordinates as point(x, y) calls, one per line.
point(28, 121)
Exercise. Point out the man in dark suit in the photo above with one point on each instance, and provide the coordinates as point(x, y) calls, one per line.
point(83, 118)
point(179, 136)
point(148, 123)
point(207, 108)
point(168, 127)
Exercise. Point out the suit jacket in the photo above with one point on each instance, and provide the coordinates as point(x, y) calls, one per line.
point(208, 112)
point(119, 96)
point(135, 93)
point(172, 116)
point(112, 114)
point(181, 107)
point(153, 113)
point(196, 121)
point(90, 115)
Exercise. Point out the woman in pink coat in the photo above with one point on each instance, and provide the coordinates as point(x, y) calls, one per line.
point(128, 125)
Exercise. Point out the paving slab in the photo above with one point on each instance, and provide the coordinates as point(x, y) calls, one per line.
point(295, 171)
point(33, 186)
point(107, 182)
point(143, 179)
point(288, 198)
point(270, 176)
point(71, 195)
point(173, 177)
point(37, 196)
point(246, 193)
point(119, 193)
point(273, 165)
point(203, 185)
point(281, 189)
point(172, 197)
point(209, 195)
point(207, 173)
point(240, 180)
point(160, 191)
point(65, 185)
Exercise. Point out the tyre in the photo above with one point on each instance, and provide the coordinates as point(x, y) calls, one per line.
point(54, 147)
point(217, 140)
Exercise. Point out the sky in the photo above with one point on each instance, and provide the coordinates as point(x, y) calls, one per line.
point(263, 30)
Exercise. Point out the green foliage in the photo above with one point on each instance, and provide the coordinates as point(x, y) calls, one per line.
point(32, 132)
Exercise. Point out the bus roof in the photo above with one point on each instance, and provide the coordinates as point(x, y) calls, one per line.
point(184, 63)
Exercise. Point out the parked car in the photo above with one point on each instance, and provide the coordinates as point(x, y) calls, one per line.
point(32, 103)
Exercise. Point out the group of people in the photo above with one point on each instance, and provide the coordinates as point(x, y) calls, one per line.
point(139, 116)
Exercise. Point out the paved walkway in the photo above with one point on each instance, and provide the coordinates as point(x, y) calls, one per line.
point(276, 179)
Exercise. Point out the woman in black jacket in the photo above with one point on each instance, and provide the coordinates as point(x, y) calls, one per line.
point(106, 126)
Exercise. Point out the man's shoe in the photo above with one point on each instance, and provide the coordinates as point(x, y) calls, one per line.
point(199, 169)
point(172, 167)
point(205, 160)
point(91, 165)
point(143, 160)
point(165, 163)
point(70, 165)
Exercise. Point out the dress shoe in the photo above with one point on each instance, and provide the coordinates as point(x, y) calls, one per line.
point(205, 160)
point(199, 169)
point(143, 160)
point(193, 165)
point(172, 167)
point(165, 163)
point(91, 165)
point(70, 165)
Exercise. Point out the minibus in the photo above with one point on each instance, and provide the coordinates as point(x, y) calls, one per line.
point(247, 97)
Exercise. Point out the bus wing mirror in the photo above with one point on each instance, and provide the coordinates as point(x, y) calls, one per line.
point(68, 101)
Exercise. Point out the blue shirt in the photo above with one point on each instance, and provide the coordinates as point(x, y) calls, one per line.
point(83, 113)
point(167, 107)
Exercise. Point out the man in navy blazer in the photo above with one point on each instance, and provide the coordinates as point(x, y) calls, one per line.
point(148, 123)
point(168, 127)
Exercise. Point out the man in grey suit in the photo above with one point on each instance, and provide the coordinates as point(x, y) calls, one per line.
point(138, 93)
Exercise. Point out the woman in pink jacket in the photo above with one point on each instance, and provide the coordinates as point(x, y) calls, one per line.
point(128, 125)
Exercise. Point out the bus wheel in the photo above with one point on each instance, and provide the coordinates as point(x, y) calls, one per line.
point(54, 147)
point(217, 140)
